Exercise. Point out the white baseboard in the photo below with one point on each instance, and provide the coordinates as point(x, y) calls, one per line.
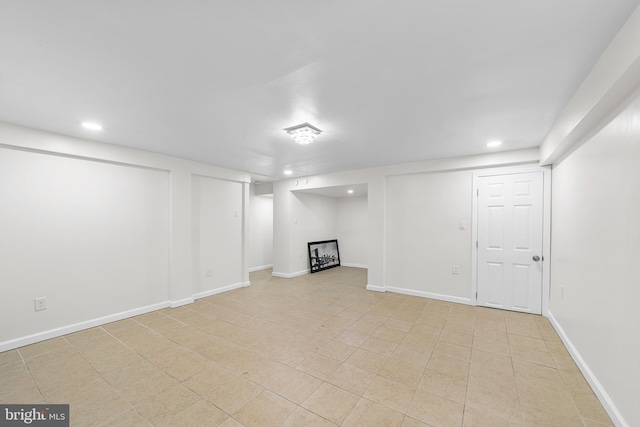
point(375, 288)
point(600, 392)
point(181, 302)
point(290, 275)
point(348, 264)
point(221, 290)
point(69, 329)
point(440, 297)
point(261, 267)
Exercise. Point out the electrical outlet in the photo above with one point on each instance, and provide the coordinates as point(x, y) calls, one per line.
point(209, 273)
point(40, 304)
point(462, 225)
point(454, 269)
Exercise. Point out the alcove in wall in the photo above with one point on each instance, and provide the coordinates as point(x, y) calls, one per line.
point(339, 212)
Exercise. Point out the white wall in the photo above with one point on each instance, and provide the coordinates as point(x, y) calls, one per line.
point(216, 225)
point(105, 232)
point(383, 196)
point(313, 219)
point(595, 257)
point(351, 230)
point(595, 245)
point(423, 241)
point(600, 95)
point(260, 231)
point(91, 237)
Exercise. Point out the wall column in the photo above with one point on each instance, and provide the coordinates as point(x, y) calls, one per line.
point(180, 280)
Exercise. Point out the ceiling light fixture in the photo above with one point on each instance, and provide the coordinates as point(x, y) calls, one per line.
point(494, 144)
point(288, 172)
point(350, 191)
point(303, 134)
point(92, 126)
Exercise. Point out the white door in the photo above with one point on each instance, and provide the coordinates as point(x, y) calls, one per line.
point(510, 216)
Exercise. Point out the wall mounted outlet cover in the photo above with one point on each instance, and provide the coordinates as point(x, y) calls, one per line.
point(40, 304)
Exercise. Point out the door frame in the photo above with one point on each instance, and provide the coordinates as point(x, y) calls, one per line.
point(546, 227)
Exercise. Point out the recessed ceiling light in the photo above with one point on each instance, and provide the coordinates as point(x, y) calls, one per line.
point(494, 144)
point(92, 126)
point(350, 191)
point(288, 172)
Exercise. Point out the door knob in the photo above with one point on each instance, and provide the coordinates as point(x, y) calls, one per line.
point(536, 258)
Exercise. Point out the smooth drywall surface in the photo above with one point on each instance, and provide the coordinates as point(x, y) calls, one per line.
point(351, 224)
point(260, 230)
point(217, 212)
point(92, 237)
point(103, 232)
point(423, 236)
point(313, 219)
point(281, 228)
point(284, 256)
point(595, 285)
point(612, 80)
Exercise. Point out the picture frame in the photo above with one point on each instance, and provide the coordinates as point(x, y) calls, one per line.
point(323, 255)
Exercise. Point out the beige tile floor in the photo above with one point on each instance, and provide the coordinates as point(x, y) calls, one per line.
point(318, 350)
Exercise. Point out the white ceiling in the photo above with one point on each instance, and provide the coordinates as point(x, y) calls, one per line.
point(338, 191)
point(217, 81)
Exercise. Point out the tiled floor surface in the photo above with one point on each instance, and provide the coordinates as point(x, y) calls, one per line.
point(317, 350)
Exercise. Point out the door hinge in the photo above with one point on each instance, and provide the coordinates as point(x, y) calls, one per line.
point(478, 192)
point(476, 244)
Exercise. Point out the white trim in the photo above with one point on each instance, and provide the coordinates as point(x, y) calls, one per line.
point(474, 240)
point(260, 267)
point(290, 275)
point(440, 297)
point(69, 329)
point(546, 240)
point(181, 302)
point(88, 158)
point(216, 291)
point(598, 389)
point(244, 221)
point(348, 264)
point(546, 227)
point(375, 288)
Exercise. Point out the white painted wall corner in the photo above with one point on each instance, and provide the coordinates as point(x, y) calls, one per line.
point(261, 267)
point(598, 389)
point(348, 264)
point(290, 275)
